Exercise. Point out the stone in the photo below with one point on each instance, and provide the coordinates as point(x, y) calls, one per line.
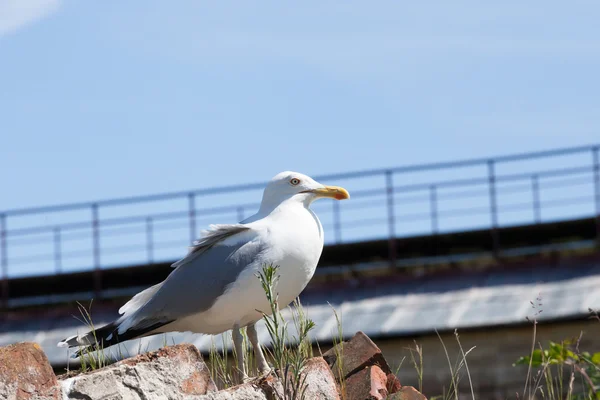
point(178, 372)
point(246, 391)
point(407, 393)
point(369, 383)
point(175, 372)
point(321, 384)
point(25, 373)
point(356, 354)
point(271, 386)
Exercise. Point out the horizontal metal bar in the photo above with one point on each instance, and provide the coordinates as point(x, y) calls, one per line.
point(545, 173)
point(366, 193)
point(256, 186)
point(513, 207)
point(128, 248)
point(360, 205)
point(569, 201)
point(565, 183)
point(365, 222)
point(461, 212)
point(424, 216)
point(141, 219)
point(424, 187)
point(48, 228)
point(136, 199)
point(125, 220)
point(420, 198)
point(170, 244)
point(462, 163)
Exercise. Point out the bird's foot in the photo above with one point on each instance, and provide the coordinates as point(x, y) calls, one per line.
point(242, 377)
point(261, 375)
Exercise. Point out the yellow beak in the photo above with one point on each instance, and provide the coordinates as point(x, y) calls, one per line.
point(335, 192)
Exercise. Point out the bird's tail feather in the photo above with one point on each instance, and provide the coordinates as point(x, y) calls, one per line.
point(107, 336)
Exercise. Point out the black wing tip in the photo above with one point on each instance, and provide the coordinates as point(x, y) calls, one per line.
point(91, 338)
point(105, 337)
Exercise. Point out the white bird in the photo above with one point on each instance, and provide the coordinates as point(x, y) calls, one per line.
point(214, 288)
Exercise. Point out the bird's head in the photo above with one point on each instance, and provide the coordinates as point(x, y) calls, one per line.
point(294, 185)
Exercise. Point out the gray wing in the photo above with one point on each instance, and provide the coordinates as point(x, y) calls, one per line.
point(199, 279)
point(215, 234)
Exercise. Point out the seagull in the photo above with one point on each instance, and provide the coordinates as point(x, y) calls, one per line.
point(215, 288)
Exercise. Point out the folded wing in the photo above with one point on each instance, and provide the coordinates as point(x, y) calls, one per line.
point(213, 263)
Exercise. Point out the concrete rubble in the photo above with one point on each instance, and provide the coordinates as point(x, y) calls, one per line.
point(355, 370)
point(173, 372)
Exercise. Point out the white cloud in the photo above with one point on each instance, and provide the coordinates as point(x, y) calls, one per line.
point(16, 14)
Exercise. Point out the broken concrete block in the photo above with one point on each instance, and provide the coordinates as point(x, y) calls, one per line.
point(175, 372)
point(320, 382)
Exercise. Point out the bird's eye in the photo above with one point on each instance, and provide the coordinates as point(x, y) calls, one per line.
point(294, 181)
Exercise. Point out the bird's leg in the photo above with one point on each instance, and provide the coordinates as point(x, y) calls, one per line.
point(238, 343)
point(263, 366)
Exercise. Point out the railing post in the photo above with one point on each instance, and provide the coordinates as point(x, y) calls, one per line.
point(192, 214)
point(337, 226)
point(535, 190)
point(149, 240)
point(433, 209)
point(96, 249)
point(389, 182)
point(596, 155)
point(240, 214)
point(57, 250)
point(4, 260)
point(493, 208)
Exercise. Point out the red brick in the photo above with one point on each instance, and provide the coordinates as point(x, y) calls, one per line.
point(356, 354)
point(407, 393)
point(25, 373)
point(367, 384)
point(393, 383)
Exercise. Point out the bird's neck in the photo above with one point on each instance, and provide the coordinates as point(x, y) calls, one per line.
point(284, 209)
point(297, 202)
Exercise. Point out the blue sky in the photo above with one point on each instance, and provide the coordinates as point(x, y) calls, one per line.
point(105, 99)
point(109, 99)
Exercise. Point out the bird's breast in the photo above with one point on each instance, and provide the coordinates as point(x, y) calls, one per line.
point(298, 238)
point(296, 248)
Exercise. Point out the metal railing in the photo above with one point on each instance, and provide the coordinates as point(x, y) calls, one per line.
point(538, 186)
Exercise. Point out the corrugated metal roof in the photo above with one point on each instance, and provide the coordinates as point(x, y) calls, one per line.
point(387, 308)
